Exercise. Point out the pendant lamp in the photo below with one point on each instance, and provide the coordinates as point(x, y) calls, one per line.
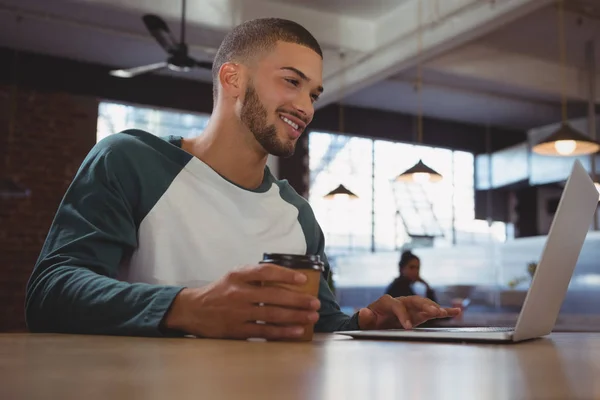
point(340, 192)
point(420, 172)
point(566, 141)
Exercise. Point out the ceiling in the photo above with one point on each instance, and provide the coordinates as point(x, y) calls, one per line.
point(457, 102)
point(510, 77)
point(113, 34)
point(537, 35)
point(485, 61)
point(353, 8)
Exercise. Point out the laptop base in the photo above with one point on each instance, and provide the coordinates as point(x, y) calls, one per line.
point(498, 335)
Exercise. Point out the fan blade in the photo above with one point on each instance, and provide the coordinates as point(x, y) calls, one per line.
point(131, 72)
point(159, 29)
point(203, 64)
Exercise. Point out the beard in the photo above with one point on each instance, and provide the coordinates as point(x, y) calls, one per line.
point(254, 116)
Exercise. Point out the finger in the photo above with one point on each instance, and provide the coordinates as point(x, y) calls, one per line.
point(282, 316)
point(422, 304)
point(271, 332)
point(278, 296)
point(401, 313)
point(269, 273)
point(421, 318)
point(453, 312)
point(424, 316)
point(367, 318)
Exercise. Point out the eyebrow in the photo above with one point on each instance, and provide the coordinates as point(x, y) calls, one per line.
point(301, 75)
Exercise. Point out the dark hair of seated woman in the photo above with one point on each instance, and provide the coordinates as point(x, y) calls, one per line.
point(409, 266)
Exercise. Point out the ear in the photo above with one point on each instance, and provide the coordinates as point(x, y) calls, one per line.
point(230, 79)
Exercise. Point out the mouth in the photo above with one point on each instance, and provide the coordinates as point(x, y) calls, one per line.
point(296, 125)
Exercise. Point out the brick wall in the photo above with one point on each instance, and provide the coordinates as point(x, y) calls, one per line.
point(52, 134)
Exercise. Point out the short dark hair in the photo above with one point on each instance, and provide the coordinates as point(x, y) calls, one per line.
point(406, 257)
point(254, 36)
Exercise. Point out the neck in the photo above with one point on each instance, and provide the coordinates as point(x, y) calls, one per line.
point(230, 149)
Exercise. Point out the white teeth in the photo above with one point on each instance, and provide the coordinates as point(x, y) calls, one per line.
point(293, 125)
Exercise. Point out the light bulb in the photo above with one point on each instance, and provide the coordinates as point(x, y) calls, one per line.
point(421, 177)
point(565, 147)
point(341, 196)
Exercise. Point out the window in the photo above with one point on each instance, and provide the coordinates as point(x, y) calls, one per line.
point(115, 117)
point(368, 168)
point(364, 236)
point(335, 160)
point(404, 209)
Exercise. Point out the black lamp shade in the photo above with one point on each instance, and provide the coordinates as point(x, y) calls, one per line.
point(340, 190)
point(419, 170)
point(566, 141)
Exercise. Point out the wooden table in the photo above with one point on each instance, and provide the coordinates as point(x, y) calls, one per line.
point(561, 366)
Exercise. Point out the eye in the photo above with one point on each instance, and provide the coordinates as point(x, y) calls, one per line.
point(314, 98)
point(294, 82)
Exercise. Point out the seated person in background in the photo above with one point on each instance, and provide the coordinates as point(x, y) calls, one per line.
point(407, 284)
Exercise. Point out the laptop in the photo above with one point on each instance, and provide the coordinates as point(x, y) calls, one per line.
point(550, 282)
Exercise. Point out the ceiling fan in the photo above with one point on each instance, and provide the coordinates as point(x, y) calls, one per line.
point(178, 60)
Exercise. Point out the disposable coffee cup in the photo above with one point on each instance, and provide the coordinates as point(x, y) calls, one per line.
point(309, 265)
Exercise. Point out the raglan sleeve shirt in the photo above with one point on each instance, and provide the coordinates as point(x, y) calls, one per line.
point(75, 286)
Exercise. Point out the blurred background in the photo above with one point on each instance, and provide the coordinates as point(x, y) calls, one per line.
point(490, 101)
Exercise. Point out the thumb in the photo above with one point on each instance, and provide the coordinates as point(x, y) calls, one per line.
point(366, 318)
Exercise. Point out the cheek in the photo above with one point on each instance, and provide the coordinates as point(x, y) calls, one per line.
point(283, 94)
point(272, 101)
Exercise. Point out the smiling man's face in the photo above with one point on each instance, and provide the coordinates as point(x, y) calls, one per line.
point(279, 100)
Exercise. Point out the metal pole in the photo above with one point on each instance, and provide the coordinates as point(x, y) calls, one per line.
point(590, 53)
point(488, 197)
point(453, 199)
point(372, 196)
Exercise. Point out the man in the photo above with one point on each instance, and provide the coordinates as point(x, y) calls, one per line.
point(150, 235)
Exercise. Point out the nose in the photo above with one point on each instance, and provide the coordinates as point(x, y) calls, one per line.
point(304, 106)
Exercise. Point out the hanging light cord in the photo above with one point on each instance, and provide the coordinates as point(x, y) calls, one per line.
point(342, 94)
point(419, 81)
point(563, 57)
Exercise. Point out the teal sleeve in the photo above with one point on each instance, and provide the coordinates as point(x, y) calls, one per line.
point(74, 286)
point(331, 317)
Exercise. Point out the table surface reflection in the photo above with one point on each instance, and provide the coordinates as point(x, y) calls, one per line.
point(559, 366)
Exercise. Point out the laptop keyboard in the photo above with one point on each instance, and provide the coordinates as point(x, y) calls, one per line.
point(473, 329)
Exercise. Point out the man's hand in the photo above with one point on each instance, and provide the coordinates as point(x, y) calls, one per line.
point(230, 307)
point(401, 312)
